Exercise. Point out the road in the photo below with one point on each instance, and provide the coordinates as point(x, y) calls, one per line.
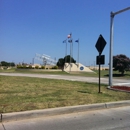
point(71, 78)
point(106, 119)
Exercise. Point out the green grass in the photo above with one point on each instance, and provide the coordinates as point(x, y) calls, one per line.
point(25, 93)
point(104, 73)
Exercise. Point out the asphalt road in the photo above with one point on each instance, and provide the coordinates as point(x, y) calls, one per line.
point(106, 119)
point(71, 78)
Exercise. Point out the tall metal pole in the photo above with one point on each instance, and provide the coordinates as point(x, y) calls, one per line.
point(111, 44)
point(70, 56)
point(72, 49)
point(65, 41)
point(111, 51)
point(78, 51)
point(71, 42)
point(66, 51)
point(66, 47)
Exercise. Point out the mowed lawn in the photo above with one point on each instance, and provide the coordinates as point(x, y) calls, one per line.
point(25, 93)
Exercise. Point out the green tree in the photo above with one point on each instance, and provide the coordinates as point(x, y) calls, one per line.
point(64, 60)
point(67, 59)
point(60, 62)
point(121, 63)
point(4, 63)
point(12, 64)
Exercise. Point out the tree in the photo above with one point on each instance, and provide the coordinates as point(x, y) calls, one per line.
point(121, 63)
point(4, 63)
point(12, 64)
point(67, 59)
point(60, 63)
point(64, 60)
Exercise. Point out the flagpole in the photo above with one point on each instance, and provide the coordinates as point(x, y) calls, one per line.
point(72, 49)
point(66, 50)
point(70, 57)
point(65, 41)
point(70, 41)
point(66, 47)
point(78, 52)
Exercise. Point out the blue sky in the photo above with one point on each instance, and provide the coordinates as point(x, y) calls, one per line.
point(28, 27)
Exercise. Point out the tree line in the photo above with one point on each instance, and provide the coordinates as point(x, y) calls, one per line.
point(7, 64)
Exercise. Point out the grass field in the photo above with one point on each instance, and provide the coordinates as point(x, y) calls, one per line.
point(104, 73)
point(25, 93)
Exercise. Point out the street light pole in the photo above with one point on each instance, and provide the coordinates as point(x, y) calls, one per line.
point(111, 51)
point(111, 44)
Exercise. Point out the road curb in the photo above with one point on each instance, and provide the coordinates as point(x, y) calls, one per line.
point(118, 104)
point(1, 127)
point(61, 110)
point(49, 112)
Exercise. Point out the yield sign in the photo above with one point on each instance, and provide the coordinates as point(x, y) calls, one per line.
point(100, 44)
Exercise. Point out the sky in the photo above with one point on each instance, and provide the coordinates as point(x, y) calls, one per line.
point(28, 27)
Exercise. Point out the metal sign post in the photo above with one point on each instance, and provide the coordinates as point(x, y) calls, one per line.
point(99, 72)
point(100, 44)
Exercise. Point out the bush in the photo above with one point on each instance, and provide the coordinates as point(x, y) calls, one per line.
point(30, 67)
point(24, 66)
point(18, 66)
point(55, 67)
point(36, 67)
point(42, 67)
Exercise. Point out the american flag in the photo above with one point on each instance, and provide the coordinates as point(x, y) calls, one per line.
point(69, 36)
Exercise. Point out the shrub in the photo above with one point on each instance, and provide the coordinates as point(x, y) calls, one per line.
point(36, 67)
point(55, 67)
point(24, 67)
point(30, 67)
point(19, 66)
point(42, 67)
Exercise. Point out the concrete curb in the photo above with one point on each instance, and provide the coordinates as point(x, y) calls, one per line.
point(1, 127)
point(118, 104)
point(61, 110)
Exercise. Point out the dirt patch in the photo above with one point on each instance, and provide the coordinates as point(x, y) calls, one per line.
point(122, 88)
